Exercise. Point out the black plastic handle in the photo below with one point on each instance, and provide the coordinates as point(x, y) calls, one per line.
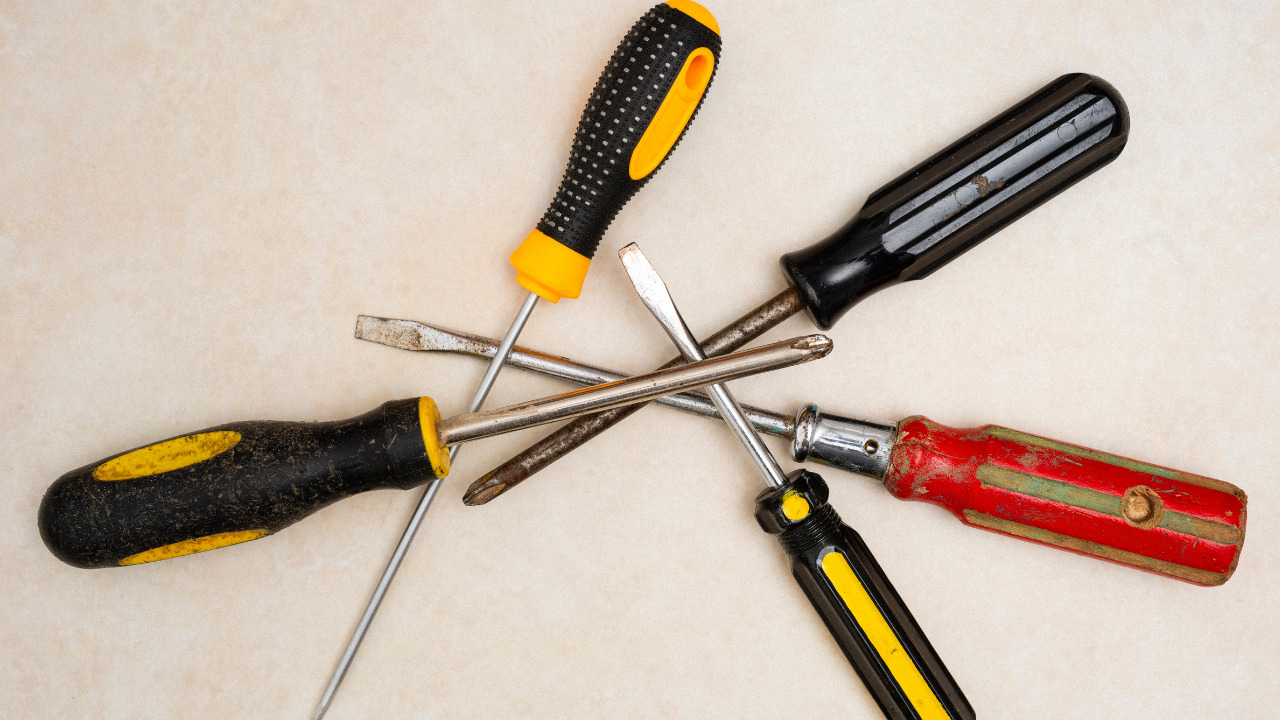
point(226, 485)
point(964, 194)
point(638, 79)
point(857, 602)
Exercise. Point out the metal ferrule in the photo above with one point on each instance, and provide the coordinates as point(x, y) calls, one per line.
point(856, 445)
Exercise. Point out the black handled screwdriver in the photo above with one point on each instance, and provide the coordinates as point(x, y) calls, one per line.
point(907, 229)
point(638, 111)
point(835, 569)
point(241, 481)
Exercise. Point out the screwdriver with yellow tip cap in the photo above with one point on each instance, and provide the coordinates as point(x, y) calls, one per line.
point(829, 560)
point(638, 111)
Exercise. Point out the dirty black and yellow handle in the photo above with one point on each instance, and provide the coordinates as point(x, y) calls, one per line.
point(857, 602)
point(233, 483)
point(637, 113)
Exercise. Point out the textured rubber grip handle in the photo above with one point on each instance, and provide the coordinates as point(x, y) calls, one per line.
point(640, 76)
point(947, 204)
point(226, 485)
point(865, 615)
point(1130, 512)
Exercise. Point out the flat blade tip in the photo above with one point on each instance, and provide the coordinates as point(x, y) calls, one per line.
point(635, 262)
point(361, 322)
point(405, 334)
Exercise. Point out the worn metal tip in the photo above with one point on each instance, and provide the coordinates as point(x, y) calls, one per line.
point(484, 496)
point(361, 322)
point(635, 262)
point(819, 345)
point(407, 334)
point(483, 490)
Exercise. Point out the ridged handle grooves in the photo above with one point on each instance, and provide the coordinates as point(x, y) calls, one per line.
point(947, 204)
point(1129, 512)
point(596, 182)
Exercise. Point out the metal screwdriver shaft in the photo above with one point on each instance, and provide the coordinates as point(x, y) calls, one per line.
point(656, 297)
point(641, 105)
point(414, 335)
point(424, 503)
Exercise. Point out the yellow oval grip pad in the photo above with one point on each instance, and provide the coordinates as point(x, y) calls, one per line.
point(169, 455)
point(674, 113)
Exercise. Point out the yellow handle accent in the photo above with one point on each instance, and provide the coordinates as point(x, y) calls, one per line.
point(550, 269)
point(428, 415)
point(195, 545)
point(895, 657)
point(673, 114)
point(794, 506)
point(168, 455)
point(697, 12)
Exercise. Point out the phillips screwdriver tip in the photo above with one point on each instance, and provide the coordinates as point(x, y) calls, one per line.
point(821, 345)
point(485, 489)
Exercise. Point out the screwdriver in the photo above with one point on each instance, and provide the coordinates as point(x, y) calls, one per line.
point(835, 569)
point(639, 109)
point(242, 481)
point(909, 228)
point(1133, 513)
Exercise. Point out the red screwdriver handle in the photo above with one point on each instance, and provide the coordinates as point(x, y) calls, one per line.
point(1150, 517)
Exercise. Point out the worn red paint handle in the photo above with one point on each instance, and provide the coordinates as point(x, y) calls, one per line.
point(1150, 517)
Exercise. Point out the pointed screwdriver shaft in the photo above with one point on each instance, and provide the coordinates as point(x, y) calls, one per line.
point(415, 521)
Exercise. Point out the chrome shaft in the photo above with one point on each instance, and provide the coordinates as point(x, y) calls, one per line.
point(657, 298)
point(472, 426)
point(421, 337)
point(410, 530)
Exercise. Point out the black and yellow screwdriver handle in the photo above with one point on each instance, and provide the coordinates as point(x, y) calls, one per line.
point(857, 602)
point(637, 113)
point(233, 483)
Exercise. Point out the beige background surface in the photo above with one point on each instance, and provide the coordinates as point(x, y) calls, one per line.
point(196, 200)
